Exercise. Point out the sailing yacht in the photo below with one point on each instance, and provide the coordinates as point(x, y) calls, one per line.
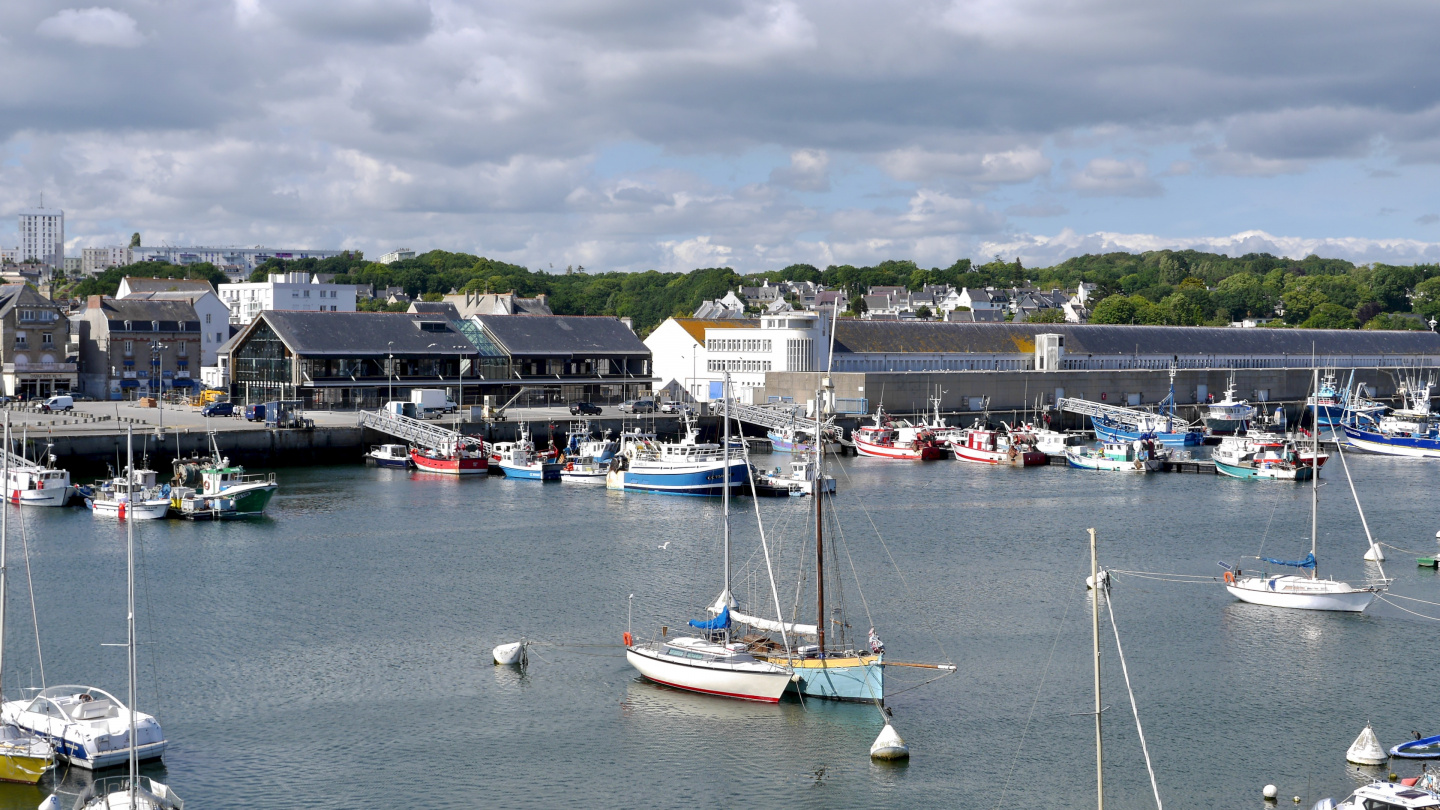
point(1301, 591)
point(711, 662)
point(24, 757)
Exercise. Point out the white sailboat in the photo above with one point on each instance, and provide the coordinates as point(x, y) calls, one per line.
point(709, 662)
point(1301, 591)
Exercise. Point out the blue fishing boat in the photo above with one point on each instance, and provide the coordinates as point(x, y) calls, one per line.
point(519, 460)
point(790, 440)
point(1408, 431)
point(686, 467)
point(1331, 404)
point(1161, 425)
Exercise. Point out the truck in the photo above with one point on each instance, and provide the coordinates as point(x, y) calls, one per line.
point(432, 402)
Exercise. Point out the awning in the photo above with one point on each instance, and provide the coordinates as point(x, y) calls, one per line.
point(129, 383)
point(184, 383)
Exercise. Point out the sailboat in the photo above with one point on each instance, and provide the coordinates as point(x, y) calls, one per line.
point(1301, 591)
point(711, 662)
point(24, 757)
point(132, 791)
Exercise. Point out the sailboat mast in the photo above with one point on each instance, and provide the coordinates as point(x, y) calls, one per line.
point(725, 495)
point(130, 610)
point(1095, 636)
point(819, 534)
point(1315, 471)
point(4, 517)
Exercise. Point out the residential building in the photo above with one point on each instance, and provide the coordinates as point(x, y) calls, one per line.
point(285, 291)
point(728, 307)
point(42, 236)
point(214, 316)
point(243, 259)
point(9, 255)
point(94, 261)
point(762, 295)
point(976, 299)
point(136, 347)
point(681, 360)
point(72, 265)
point(34, 344)
point(470, 304)
point(396, 256)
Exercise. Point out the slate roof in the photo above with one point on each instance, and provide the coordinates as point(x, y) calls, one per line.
point(363, 333)
point(562, 335)
point(141, 284)
point(852, 335)
point(445, 309)
point(13, 295)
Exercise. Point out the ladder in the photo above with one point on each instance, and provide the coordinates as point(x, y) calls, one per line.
point(414, 431)
point(1114, 413)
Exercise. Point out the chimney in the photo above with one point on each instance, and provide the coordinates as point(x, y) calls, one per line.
point(93, 301)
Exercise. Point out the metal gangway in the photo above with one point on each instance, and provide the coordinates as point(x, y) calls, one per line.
point(771, 418)
point(1113, 413)
point(414, 431)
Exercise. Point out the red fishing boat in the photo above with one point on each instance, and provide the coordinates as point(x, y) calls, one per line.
point(467, 457)
point(897, 438)
point(984, 446)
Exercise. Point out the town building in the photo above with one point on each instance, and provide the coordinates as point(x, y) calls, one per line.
point(131, 347)
point(470, 304)
point(72, 265)
point(42, 236)
point(242, 259)
point(681, 360)
point(285, 291)
point(94, 261)
point(396, 256)
point(787, 342)
point(130, 285)
point(213, 314)
point(34, 344)
point(9, 256)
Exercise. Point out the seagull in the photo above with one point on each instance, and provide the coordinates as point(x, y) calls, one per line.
point(664, 546)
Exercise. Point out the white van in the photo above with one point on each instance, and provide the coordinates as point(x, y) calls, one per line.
point(59, 402)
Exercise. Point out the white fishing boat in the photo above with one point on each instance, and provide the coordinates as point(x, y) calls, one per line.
point(33, 485)
point(711, 662)
point(1229, 414)
point(136, 496)
point(896, 439)
point(798, 480)
point(389, 455)
point(1304, 591)
point(584, 471)
point(518, 459)
point(1137, 455)
point(981, 444)
point(686, 467)
point(1263, 455)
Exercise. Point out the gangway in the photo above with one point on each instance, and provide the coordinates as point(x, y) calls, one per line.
point(1113, 413)
point(771, 418)
point(414, 431)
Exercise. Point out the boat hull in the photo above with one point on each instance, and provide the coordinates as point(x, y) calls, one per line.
point(53, 496)
point(705, 481)
point(925, 453)
point(1270, 592)
point(783, 445)
point(1299, 473)
point(1109, 433)
point(762, 686)
point(543, 471)
point(479, 465)
point(25, 769)
point(1026, 458)
point(853, 678)
point(591, 477)
point(137, 510)
point(1080, 462)
point(398, 463)
point(251, 499)
point(1412, 446)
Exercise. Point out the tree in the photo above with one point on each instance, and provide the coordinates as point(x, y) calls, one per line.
point(923, 312)
point(1386, 320)
point(1115, 309)
point(135, 239)
point(1427, 298)
point(1330, 316)
point(1051, 315)
point(857, 306)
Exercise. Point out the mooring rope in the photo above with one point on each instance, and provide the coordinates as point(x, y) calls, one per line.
point(1184, 579)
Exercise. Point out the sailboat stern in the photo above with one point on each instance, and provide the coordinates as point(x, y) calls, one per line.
point(842, 677)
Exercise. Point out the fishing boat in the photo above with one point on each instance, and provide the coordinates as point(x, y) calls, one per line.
point(789, 439)
point(686, 467)
point(24, 756)
point(1264, 455)
point(983, 445)
point(1053, 442)
point(1136, 455)
point(201, 481)
point(1333, 405)
point(584, 471)
point(710, 662)
point(582, 444)
point(89, 727)
point(1229, 414)
point(465, 457)
point(135, 496)
point(33, 485)
point(1423, 748)
point(1410, 430)
point(798, 480)
point(1307, 591)
point(518, 459)
point(1385, 796)
point(1161, 425)
point(389, 455)
point(896, 439)
point(945, 435)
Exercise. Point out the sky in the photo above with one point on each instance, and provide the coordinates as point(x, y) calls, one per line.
point(654, 134)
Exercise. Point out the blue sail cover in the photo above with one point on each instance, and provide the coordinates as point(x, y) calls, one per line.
point(720, 622)
point(1308, 562)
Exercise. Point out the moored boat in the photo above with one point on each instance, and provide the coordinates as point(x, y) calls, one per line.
point(33, 485)
point(796, 481)
point(389, 455)
point(896, 439)
point(1138, 455)
point(137, 496)
point(983, 445)
point(686, 467)
point(1411, 430)
point(1229, 414)
point(1264, 456)
point(466, 457)
point(202, 480)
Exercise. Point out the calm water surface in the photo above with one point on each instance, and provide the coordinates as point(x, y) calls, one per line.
point(336, 654)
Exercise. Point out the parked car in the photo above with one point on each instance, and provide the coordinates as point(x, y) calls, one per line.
point(59, 402)
point(638, 406)
point(587, 408)
point(218, 409)
point(673, 406)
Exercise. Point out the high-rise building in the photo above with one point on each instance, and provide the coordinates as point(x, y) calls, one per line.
point(42, 236)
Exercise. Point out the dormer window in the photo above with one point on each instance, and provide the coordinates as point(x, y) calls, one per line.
point(155, 326)
point(129, 326)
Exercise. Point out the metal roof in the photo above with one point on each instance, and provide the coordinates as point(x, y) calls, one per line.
point(364, 333)
point(562, 335)
point(852, 335)
point(696, 326)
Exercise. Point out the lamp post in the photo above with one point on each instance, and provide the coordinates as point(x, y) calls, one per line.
point(390, 369)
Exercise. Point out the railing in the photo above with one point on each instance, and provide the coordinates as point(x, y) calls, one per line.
point(771, 418)
point(414, 431)
point(1114, 413)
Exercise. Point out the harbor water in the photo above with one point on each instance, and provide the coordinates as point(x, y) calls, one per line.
point(336, 654)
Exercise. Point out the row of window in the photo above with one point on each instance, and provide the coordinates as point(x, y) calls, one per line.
point(182, 348)
point(42, 315)
point(737, 345)
point(46, 339)
point(737, 365)
point(296, 294)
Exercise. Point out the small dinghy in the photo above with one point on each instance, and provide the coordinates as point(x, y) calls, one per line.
point(1425, 748)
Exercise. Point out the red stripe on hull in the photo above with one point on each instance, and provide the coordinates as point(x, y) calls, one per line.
point(464, 466)
point(711, 691)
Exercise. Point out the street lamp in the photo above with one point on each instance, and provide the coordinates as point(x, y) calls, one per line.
point(390, 370)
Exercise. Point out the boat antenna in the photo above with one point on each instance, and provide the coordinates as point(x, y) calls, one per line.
point(1095, 636)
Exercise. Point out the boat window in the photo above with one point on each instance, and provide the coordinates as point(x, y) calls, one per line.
point(1376, 804)
point(694, 655)
point(44, 706)
point(676, 653)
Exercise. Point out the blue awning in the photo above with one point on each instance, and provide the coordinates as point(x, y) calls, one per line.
point(1308, 562)
point(718, 623)
point(185, 384)
point(129, 383)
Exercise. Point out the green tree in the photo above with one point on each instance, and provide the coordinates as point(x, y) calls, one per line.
point(1051, 315)
point(135, 239)
point(923, 312)
point(1114, 309)
point(1427, 298)
point(1330, 316)
point(1386, 320)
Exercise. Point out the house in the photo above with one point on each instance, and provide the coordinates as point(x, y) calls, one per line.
point(34, 344)
point(679, 355)
point(136, 346)
point(213, 314)
point(470, 304)
point(976, 299)
point(288, 291)
point(727, 307)
point(828, 299)
point(975, 316)
point(762, 295)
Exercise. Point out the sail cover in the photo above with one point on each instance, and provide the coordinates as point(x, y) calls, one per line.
point(720, 622)
point(1308, 562)
point(774, 626)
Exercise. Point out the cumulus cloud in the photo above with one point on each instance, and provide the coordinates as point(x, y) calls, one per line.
point(921, 165)
point(1107, 177)
point(93, 26)
point(809, 170)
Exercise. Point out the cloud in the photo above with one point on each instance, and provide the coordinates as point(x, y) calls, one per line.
point(809, 170)
point(1107, 177)
point(93, 26)
point(920, 165)
point(1040, 210)
point(1427, 219)
point(1047, 250)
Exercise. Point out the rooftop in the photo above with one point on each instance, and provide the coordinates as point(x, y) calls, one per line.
point(558, 335)
point(364, 333)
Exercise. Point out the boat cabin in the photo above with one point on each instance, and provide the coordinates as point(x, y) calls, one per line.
point(1389, 796)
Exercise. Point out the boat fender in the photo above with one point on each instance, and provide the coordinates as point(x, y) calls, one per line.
point(40, 485)
point(1229, 577)
point(628, 640)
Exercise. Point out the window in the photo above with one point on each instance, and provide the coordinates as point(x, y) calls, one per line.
point(27, 314)
point(129, 347)
point(218, 339)
point(184, 348)
point(47, 339)
point(207, 317)
point(307, 293)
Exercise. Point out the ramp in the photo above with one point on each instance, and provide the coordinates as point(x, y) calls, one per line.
point(414, 431)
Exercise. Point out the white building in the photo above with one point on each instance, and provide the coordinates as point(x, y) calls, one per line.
point(244, 258)
point(214, 316)
point(42, 236)
point(976, 299)
point(94, 261)
point(396, 256)
point(9, 255)
point(72, 264)
point(678, 354)
point(789, 341)
point(285, 291)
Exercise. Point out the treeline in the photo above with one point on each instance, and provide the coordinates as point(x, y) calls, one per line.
point(1183, 287)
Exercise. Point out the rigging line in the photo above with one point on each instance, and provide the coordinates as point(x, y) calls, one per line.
point(1204, 577)
point(1339, 449)
point(149, 615)
point(1109, 606)
point(859, 501)
point(34, 615)
point(1039, 690)
point(1266, 535)
point(1406, 550)
point(1154, 578)
point(1407, 610)
point(845, 544)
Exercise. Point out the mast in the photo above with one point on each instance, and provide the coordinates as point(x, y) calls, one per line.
point(1315, 471)
point(4, 516)
point(130, 613)
point(819, 534)
point(725, 495)
point(1095, 635)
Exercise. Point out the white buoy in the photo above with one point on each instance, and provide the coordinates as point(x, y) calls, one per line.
point(509, 654)
point(889, 745)
point(1270, 792)
point(52, 802)
point(1366, 750)
point(1104, 580)
point(1375, 554)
